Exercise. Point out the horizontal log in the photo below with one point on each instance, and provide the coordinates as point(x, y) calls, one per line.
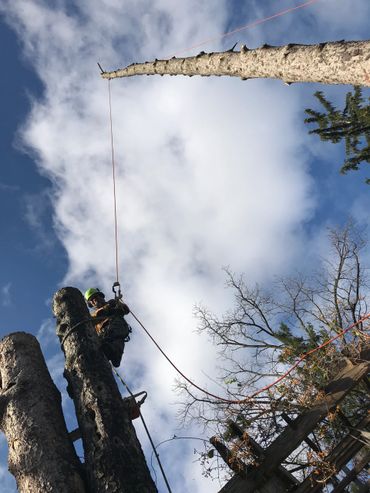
point(338, 62)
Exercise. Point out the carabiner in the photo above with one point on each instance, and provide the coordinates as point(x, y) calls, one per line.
point(117, 293)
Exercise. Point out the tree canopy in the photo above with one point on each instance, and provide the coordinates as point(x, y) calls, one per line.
point(351, 125)
point(263, 334)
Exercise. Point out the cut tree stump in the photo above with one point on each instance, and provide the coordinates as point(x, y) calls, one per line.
point(41, 456)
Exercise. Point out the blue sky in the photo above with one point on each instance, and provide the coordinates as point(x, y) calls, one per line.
point(30, 269)
point(211, 172)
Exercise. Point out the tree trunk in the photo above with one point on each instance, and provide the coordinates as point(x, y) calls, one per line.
point(340, 62)
point(113, 456)
point(41, 456)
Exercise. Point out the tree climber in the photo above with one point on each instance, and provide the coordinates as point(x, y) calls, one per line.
point(111, 327)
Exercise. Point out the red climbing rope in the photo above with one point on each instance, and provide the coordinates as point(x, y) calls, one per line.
point(305, 355)
point(229, 33)
point(247, 26)
point(257, 392)
point(302, 357)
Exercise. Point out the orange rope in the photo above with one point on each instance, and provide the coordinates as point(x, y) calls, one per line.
point(114, 181)
point(229, 33)
point(247, 26)
point(246, 399)
point(304, 356)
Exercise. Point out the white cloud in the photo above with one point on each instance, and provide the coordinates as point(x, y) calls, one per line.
point(35, 208)
point(46, 334)
point(324, 20)
point(210, 172)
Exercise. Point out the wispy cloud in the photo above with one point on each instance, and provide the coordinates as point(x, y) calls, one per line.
point(4, 187)
point(46, 334)
point(6, 299)
point(36, 208)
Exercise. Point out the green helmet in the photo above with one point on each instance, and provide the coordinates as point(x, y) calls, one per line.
point(91, 291)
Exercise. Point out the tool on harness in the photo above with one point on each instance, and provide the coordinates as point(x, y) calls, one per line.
point(134, 405)
point(130, 403)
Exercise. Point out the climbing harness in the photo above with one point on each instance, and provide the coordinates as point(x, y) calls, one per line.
point(94, 321)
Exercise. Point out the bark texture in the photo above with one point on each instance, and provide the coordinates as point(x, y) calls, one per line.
point(41, 456)
point(114, 459)
point(340, 62)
